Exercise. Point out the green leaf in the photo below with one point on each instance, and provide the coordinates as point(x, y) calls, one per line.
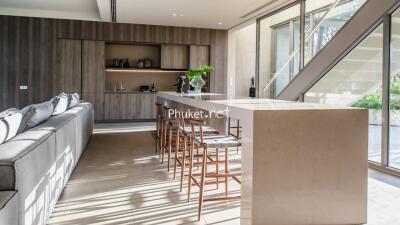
point(191, 73)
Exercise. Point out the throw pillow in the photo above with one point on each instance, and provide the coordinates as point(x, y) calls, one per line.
point(60, 103)
point(10, 121)
point(34, 115)
point(73, 100)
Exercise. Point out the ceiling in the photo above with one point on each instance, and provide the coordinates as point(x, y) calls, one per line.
point(218, 14)
point(65, 9)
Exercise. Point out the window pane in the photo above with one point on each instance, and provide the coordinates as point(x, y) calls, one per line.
point(357, 81)
point(282, 51)
point(394, 128)
point(278, 37)
point(330, 25)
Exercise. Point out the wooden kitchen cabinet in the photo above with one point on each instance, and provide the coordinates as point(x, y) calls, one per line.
point(130, 106)
point(175, 57)
point(199, 55)
point(93, 66)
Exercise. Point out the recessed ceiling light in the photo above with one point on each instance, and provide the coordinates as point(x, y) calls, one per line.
point(220, 23)
point(181, 14)
point(173, 14)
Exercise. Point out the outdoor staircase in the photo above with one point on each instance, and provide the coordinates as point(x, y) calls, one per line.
point(365, 60)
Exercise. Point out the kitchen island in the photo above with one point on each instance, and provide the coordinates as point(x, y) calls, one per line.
point(301, 163)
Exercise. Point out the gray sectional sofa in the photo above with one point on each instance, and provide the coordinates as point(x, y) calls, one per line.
point(36, 164)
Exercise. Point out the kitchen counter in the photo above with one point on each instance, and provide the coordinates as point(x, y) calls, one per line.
point(128, 92)
point(301, 163)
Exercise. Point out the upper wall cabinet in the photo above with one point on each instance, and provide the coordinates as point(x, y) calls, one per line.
point(199, 55)
point(175, 57)
point(68, 66)
point(93, 66)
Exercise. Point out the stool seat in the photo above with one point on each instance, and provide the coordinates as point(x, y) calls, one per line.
point(205, 129)
point(218, 141)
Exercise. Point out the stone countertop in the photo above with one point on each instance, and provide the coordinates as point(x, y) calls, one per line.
point(128, 92)
point(217, 101)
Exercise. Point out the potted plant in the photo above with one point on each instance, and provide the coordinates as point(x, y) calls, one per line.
point(195, 77)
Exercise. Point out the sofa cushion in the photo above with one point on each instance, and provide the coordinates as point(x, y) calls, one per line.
point(84, 125)
point(60, 103)
point(9, 207)
point(33, 115)
point(15, 149)
point(73, 100)
point(5, 197)
point(55, 122)
point(10, 120)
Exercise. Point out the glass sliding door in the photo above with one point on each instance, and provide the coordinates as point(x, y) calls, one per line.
point(394, 93)
point(357, 81)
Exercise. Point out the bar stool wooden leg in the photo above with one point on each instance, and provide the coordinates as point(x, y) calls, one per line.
point(197, 158)
point(202, 183)
point(191, 152)
point(226, 172)
point(217, 166)
point(183, 162)
point(164, 141)
point(162, 147)
point(177, 148)
point(161, 138)
point(169, 147)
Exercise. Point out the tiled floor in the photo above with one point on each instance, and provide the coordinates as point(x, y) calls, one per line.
point(119, 180)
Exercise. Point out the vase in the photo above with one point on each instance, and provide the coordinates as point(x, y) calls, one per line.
point(197, 83)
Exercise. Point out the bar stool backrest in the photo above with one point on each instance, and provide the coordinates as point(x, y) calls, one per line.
point(180, 120)
point(166, 112)
point(197, 123)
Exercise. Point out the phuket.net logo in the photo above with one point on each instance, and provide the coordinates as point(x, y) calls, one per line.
point(194, 114)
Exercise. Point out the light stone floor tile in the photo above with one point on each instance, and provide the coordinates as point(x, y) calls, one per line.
point(120, 180)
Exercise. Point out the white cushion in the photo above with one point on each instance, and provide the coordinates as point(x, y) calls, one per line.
point(60, 103)
point(33, 115)
point(10, 120)
point(73, 100)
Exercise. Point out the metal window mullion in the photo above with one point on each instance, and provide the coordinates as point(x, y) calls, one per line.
point(257, 71)
point(302, 32)
point(291, 48)
point(385, 90)
point(273, 62)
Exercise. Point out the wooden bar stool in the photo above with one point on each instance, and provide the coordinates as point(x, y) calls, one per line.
point(234, 130)
point(169, 132)
point(205, 143)
point(159, 116)
point(183, 141)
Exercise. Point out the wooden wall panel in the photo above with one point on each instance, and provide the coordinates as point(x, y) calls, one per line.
point(8, 83)
point(69, 65)
point(199, 55)
point(218, 60)
point(174, 57)
point(93, 66)
point(28, 50)
point(97, 100)
point(28, 57)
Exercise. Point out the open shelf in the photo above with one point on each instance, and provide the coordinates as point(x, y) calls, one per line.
point(137, 70)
